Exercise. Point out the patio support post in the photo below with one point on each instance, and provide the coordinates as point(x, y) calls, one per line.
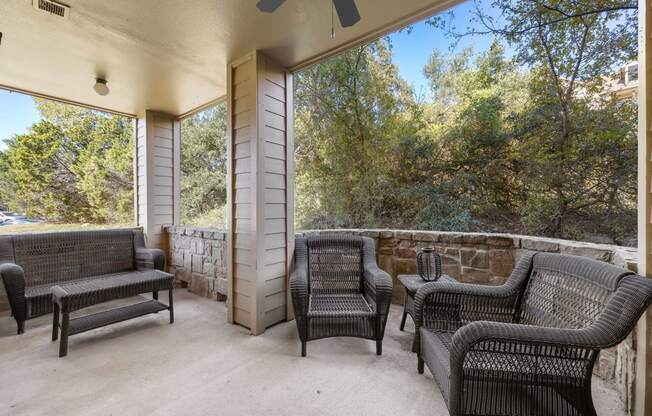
point(643, 383)
point(260, 196)
point(156, 174)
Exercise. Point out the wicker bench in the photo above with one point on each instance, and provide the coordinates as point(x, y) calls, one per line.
point(527, 347)
point(31, 264)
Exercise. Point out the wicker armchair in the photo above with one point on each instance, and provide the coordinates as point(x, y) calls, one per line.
point(338, 290)
point(527, 347)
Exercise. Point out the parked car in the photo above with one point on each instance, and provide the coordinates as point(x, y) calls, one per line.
point(6, 216)
point(11, 218)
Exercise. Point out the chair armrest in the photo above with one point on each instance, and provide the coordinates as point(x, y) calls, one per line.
point(299, 287)
point(147, 258)
point(150, 258)
point(13, 278)
point(299, 279)
point(378, 284)
point(470, 336)
point(379, 287)
point(299, 290)
point(510, 352)
point(449, 306)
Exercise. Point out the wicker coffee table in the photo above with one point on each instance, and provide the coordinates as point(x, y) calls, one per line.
point(412, 284)
point(71, 297)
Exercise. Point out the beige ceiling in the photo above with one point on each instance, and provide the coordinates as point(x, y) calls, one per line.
point(171, 55)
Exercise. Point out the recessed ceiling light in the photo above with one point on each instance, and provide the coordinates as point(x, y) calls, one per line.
point(100, 87)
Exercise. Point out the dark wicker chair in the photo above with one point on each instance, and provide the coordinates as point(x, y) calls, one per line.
point(527, 347)
point(338, 290)
point(31, 264)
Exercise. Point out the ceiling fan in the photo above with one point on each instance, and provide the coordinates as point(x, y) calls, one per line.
point(346, 10)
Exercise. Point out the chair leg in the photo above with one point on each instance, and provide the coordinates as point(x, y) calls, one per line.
point(590, 407)
point(403, 319)
point(171, 305)
point(55, 322)
point(379, 347)
point(419, 365)
point(20, 327)
point(63, 343)
point(303, 348)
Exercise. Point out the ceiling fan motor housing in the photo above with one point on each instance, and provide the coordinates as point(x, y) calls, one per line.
point(347, 11)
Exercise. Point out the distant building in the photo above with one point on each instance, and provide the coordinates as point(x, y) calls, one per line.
point(625, 84)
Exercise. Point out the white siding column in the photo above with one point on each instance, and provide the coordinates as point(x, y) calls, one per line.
point(643, 390)
point(156, 174)
point(260, 196)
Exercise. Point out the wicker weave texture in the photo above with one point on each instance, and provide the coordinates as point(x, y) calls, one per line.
point(528, 347)
point(73, 296)
point(53, 257)
point(69, 297)
point(566, 294)
point(338, 304)
point(336, 267)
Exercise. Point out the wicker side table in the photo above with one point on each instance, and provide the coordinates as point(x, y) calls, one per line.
point(412, 284)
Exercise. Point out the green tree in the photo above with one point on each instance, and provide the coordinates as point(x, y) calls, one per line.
point(73, 165)
point(569, 123)
point(470, 121)
point(481, 154)
point(203, 167)
point(350, 113)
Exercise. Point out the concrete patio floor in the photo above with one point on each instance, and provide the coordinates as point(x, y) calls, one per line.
point(201, 365)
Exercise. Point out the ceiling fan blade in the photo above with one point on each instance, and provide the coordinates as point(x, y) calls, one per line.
point(268, 6)
point(347, 12)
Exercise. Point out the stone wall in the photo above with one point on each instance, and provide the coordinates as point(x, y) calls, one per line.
point(469, 258)
point(197, 258)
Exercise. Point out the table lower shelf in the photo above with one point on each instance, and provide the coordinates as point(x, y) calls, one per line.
point(112, 316)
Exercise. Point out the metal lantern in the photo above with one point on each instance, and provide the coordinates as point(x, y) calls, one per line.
point(428, 264)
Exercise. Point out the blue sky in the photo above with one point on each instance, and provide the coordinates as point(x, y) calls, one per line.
point(411, 53)
point(17, 113)
point(412, 50)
